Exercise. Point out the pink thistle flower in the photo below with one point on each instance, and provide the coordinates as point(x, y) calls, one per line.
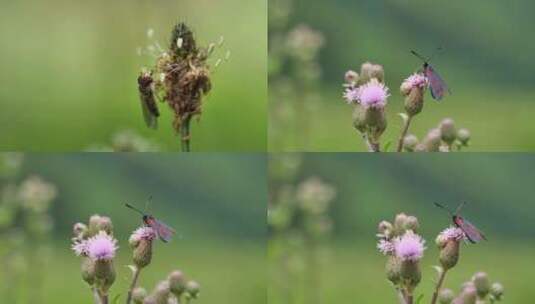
point(351, 95)
point(452, 233)
point(80, 248)
point(143, 233)
point(372, 94)
point(101, 246)
point(415, 80)
point(409, 247)
point(385, 247)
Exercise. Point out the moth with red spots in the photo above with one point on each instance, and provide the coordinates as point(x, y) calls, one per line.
point(164, 232)
point(472, 233)
point(436, 84)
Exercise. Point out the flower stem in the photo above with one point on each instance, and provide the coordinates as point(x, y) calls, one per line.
point(104, 299)
point(96, 296)
point(404, 133)
point(439, 285)
point(185, 134)
point(372, 146)
point(133, 285)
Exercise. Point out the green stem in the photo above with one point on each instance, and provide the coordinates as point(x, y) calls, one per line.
point(185, 134)
point(96, 296)
point(404, 133)
point(439, 285)
point(133, 285)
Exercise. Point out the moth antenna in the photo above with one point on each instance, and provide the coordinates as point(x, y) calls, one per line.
point(445, 208)
point(147, 203)
point(418, 55)
point(134, 208)
point(460, 207)
point(438, 49)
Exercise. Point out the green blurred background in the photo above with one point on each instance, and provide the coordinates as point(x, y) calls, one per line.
point(69, 72)
point(487, 61)
point(499, 192)
point(216, 204)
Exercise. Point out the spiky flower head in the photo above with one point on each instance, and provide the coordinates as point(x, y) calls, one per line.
point(142, 233)
point(415, 80)
point(373, 94)
point(386, 247)
point(101, 246)
point(409, 247)
point(182, 41)
point(80, 248)
point(450, 234)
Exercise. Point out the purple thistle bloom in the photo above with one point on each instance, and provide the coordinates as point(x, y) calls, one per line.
point(415, 80)
point(101, 246)
point(452, 233)
point(409, 247)
point(372, 94)
point(351, 95)
point(143, 233)
point(385, 247)
point(80, 248)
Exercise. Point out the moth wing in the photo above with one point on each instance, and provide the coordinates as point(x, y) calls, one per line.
point(148, 102)
point(437, 85)
point(472, 233)
point(165, 233)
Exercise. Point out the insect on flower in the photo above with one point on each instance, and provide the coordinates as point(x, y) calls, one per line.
point(164, 232)
point(436, 83)
point(148, 102)
point(472, 233)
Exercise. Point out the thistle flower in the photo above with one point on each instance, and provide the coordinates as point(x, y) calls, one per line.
point(142, 233)
point(448, 242)
point(414, 81)
point(409, 247)
point(161, 292)
point(101, 247)
point(177, 283)
point(80, 248)
point(432, 140)
point(351, 77)
point(447, 131)
point(386, 247)
point(141, 240)
point(351, 95)
point(482, 284)
point(369, 71)
point(373, 94)
point(450, 234)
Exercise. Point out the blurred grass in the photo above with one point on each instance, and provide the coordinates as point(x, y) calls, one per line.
point(485, 60)
point(70, 69)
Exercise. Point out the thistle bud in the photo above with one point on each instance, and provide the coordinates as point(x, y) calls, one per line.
point(105, 224)
point(411, 274)
point(138, 295)
point(393, 269)
point(432, 140)
point(94, 222)
point(410, 142)
point(151, 299)
point(468, 295)
point(369, 71)
point(104, 274)
point(449, 254)
point(359, 119)
point(177, 282)
point(385, 228)
point(448, 131)
point(496, 291)
point(193, 288)
point(463, 135)
point(411, 223)
point(161, 292)
point(445, 296)
point(79, 230)
point(399, 223)
point(414, 102)
point(141, 240)
point(376, 121)
point(482, 284)
point(88, 270)
point(351, 77)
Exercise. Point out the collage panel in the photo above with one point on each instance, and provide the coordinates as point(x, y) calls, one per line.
point(354, 228)
point(133, 75)
point(423, 76)
point(69, 236)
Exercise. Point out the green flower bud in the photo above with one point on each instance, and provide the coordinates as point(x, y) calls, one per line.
point(448, 131)
point(359, 119)
point(411, 274)
point(463, 135)
point(142, 255)
point(375, 120)
point(104, 274)
point(79, 230)
point(88, 270)
point(432, 140)
point(393, 269)
point(496, 290)
point(414, 102)
point(411, 223)
point(399, 223)
point(193, 288)
point(177, 282)
point(351, 77)
point(482, 284)
point(385, 228)
point(410, 142)
point(161, 293)
point(94, 222)
point(445, 296)
point(104, 224)
point(369, 71)
point(138, 295)
point(449, 254)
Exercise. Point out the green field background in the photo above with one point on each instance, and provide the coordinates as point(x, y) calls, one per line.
point(216, 204)
point(69, 72)
point(499, 192)
point(487, 61)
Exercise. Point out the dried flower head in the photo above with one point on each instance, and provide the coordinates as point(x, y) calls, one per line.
point(101, 246)
point(409, 247)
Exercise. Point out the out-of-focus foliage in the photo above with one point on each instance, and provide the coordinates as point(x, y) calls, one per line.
point(70, 71)
point(486, 61)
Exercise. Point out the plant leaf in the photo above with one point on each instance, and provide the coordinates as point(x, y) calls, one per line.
point(116, 299)
point(387, 146)
point(132, 268)
point(404, 117)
